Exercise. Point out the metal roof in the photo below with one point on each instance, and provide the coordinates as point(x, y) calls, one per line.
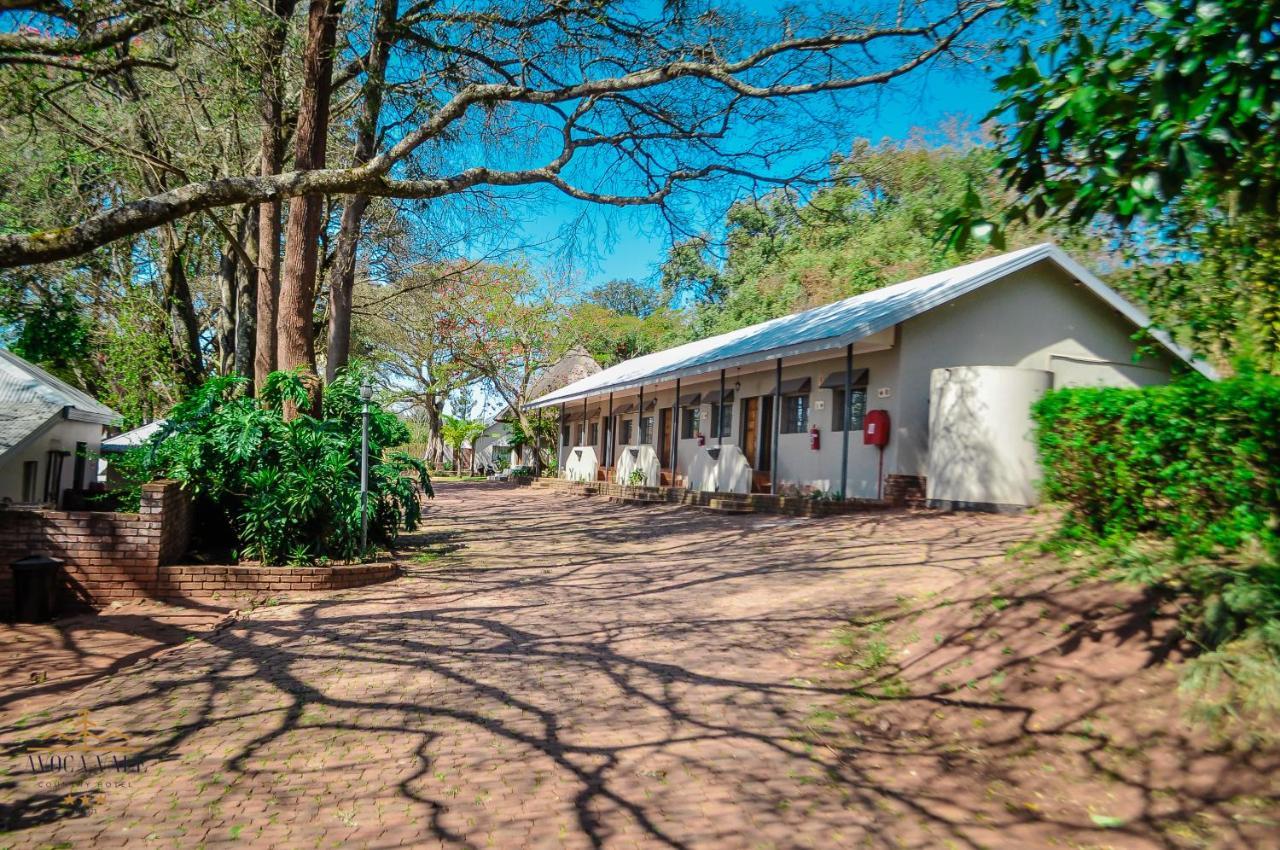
point(32, 401)
point(131, 439)
point(833, 326)
point(25, 386)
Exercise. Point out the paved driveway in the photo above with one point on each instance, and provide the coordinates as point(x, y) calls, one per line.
point(552, 672)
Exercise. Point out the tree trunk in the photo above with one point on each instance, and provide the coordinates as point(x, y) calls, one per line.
point(247, 303)
point(225, 331)
point(270, 158)
point(295, 342)
point(342, 277)
point(184, 331)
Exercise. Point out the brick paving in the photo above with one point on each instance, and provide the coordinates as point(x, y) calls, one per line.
point(552, 672)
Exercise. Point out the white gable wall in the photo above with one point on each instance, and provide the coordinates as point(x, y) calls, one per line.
point(63, 436)
point(1038, 318)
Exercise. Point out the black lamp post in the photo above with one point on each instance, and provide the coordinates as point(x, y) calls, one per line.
point(366, 395)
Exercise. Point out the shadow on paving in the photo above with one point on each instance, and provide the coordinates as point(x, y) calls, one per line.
point(560, 672)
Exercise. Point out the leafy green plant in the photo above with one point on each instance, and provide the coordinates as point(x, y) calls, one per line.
point(287, 490)
point(1180, 487)
point(636, 478)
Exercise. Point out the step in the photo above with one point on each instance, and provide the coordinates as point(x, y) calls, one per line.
point(730, 506)
point(643, 499)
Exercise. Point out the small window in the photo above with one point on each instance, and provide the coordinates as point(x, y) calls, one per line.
point(858, 408)
point(721, 420)
point(30, 472)
point(577, 431)
point(628, 426)
point(795, 414)
point(690, 422)
point(646, 430)
point(564, 435)
point(593, 434)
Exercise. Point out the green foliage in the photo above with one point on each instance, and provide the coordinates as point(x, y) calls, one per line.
point(288, 489)
point(46, 327)
point(457, 431)
point(876, 224)
point(1162, 116)
point(1181, 485)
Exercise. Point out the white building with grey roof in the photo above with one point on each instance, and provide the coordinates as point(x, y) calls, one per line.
point(50, 433)
point(946, 365)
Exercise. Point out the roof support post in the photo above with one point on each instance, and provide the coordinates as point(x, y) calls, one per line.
point(608, 437)
point(640, 419)
point(777, 426)
point(537, 446)
point(720, 414)
point(584, 420)
point(675, 437)
point(848, 407)
point(560, 455)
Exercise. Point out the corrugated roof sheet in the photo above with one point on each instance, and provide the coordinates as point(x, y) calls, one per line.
point(130, 439)
point(24, 385)
point(31, 399)
point(835, 325)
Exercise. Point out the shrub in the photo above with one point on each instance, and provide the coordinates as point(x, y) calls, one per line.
point(1181, 484)
point(288, 491)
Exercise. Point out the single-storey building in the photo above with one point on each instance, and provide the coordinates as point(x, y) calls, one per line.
point(925, 386)
point(493, 449)
point(50, 433)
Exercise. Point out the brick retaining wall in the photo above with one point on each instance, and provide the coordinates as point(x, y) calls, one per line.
point(202, 582)
point(761, 502)
point(107, 556)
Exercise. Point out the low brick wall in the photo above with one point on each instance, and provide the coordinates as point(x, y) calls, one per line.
point(904, 490)
point(761, 502)
point(107, 556)
point(202, 582)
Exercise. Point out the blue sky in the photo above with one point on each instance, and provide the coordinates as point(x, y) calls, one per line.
point(633, 242)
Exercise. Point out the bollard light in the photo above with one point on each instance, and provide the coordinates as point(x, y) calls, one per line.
point(366, 395)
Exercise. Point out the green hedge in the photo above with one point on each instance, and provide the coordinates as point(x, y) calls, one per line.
point(1178, 488)
point(1197, 462)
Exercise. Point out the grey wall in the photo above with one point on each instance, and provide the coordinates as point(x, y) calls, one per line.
point(1039, 318)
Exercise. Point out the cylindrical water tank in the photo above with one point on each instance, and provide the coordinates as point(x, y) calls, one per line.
point(982, 453)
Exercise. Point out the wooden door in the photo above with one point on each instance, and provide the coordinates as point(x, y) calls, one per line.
point(751, 429)
point(664, 437)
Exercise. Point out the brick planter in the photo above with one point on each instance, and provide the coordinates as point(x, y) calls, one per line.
point(199, 581)
point(108, 556)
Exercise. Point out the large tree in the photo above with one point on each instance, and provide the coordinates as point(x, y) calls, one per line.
point(613, 103)
point(1164, 119)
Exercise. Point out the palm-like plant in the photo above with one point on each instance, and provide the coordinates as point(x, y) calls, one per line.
point(287, 490)
point(457, 431)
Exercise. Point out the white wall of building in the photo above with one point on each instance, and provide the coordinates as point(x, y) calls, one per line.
point(63, 436)
point(1038, 318)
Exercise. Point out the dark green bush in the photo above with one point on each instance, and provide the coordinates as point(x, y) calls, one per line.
point(1181, 485)
point(1197, 461)
point(288, 491)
